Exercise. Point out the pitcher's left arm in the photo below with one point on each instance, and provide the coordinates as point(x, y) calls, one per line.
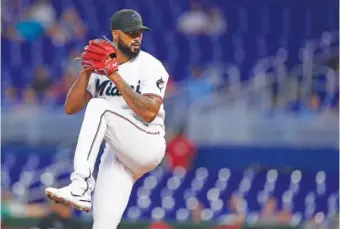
point(144, 105)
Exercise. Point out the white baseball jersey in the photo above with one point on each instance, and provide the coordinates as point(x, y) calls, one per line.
point(145, 74)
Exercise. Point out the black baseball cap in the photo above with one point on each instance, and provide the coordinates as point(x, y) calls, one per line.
point(128, 21)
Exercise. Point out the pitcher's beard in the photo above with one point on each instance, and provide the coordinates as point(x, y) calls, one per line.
point(126, 50)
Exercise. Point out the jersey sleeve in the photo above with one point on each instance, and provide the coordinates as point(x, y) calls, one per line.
point(91, 86)
point(155, 80)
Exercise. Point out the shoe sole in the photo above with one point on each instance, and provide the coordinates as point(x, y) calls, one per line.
point(60, 200)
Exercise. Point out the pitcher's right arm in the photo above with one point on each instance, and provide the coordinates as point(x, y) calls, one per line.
point(78, 95)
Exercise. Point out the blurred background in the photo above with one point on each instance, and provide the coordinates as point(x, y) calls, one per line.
point(252, 109)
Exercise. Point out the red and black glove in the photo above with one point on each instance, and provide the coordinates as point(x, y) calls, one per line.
point(100, 56)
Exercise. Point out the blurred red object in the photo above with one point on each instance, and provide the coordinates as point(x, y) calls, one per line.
point(160, 225)
point(180, 151)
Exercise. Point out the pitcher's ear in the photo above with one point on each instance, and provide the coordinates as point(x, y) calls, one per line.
point(115, 35)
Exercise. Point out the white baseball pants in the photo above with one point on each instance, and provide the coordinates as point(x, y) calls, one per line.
point(134, 149)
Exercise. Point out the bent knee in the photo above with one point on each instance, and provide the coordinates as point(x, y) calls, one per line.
point(148, 165)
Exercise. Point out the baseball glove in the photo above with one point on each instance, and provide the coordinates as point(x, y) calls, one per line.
point(100, 56)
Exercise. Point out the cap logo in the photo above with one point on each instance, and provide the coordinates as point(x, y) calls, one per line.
point(135, 18)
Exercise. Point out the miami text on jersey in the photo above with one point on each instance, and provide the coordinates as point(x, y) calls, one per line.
point(110, 89)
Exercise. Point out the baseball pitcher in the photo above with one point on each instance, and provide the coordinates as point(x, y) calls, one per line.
point(122, 88)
